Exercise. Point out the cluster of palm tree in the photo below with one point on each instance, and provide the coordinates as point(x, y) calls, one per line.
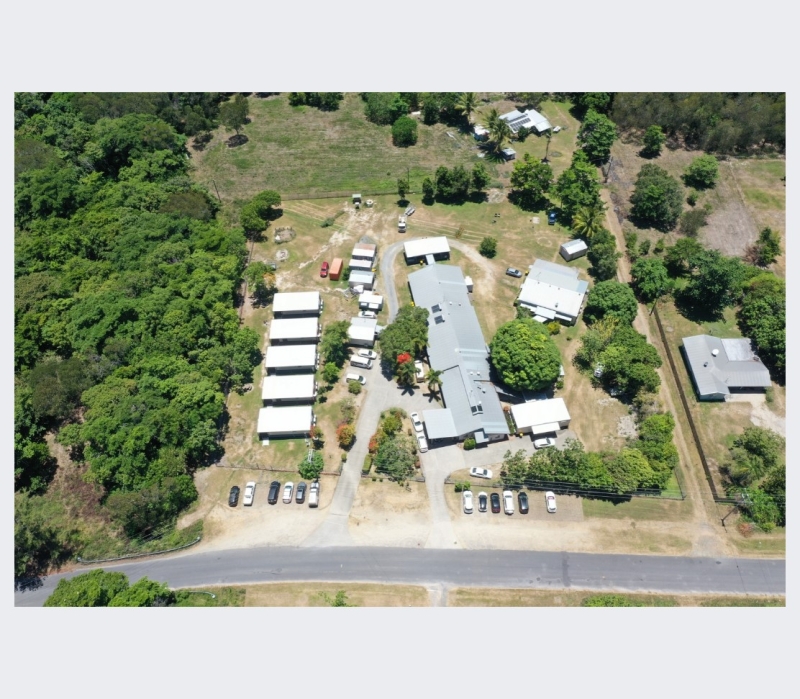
point(499, 130)
point(588, 220)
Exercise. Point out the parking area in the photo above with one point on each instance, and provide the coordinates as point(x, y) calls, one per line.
point(569, 508)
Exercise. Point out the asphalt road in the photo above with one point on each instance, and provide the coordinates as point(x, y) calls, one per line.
point(465, 568)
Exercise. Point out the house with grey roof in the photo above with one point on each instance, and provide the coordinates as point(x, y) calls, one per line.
point(553, 292)
point(456, 347)
point(721, 366)
point(530, 119)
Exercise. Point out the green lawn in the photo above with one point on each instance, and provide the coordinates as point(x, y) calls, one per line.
point(639, 508)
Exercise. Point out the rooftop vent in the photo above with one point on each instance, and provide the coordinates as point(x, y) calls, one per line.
point(705, 363)
point(714, 352)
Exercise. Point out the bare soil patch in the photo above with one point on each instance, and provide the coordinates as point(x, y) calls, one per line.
point(386, 514)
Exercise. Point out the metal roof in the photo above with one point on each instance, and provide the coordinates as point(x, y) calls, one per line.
point(439, 424)
point(293, 328)
point(365, 250)
point(554, 287)
point(426, 246)
point(296, 301)
point(288, 386)
point(286, 356)
point(456, 346)
point(575, 245)
point(285, 420)
point(540, 413)
point(360, 277)
point(530, 119)
point(735, 365)
point(355, 263)
point(370, 300)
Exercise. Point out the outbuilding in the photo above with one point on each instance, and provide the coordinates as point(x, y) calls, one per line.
point(418, 249)
point(573, 249)
point(364, 251)
point(508, 153)
point(288, 388)
point(553, 292)
point(285, 421)
point(283, 330)
point(357, 263)
point(530, 119)
point(291, 358)
point(370, 302)
point(362, 332)
point(539, 417)
point(296, 303)
point(360, 277)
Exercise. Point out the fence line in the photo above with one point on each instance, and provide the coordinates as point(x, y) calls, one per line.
point(698, 444)
point(142, 555)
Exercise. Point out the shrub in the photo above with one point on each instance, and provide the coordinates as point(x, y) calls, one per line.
point(354, 387)
point(631, 239)
point(462, 485)
point(488, 247)
point(644, 248)
point(391, 424)
point(659, 246)
point(346, 435)
point(404, 132)
point(365, 468)
point(311, 470)
point(691, 199)
point(347, 410)
point(469, 443)
point(692, 221)
point(553, 327)
point(702, 172)
point(330, 373)
point(317, 437)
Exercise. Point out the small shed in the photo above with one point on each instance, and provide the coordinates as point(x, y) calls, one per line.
point(291, 358)
point(541, 416)
point(288, 388)
point(508, 153)
point(364, 251)
point(335, 270)
point(296, 303)
point(468, 282)
point(480, 132)
point(362, 278)
point(356, 263)
point(284, 330)
point(573, 249)
point(419, 248)
point(370, 302)
point(362, 331)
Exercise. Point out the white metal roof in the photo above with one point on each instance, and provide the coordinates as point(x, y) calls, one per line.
point(283, 420)
point(293, 328)
point(362, 328)
point(553, 289)
point(361, 277)
point(576, 245)
point(538, 413)
point(288, 386)
point(285, 356)
point(355, 263)
point(419, 247)
point(530, 119)
point(296, 301)
point(364, 250)
point(370, 300)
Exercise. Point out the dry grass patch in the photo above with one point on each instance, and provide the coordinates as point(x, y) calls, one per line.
point(640, 509)
point(307, 594)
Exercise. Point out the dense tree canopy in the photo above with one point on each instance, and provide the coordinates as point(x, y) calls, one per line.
point(603, 255)
point(408, 334)
point(102, 589)
point(762, 318)
point(327, 101)
point(404, 131)
point(702, 172)
point(384, 108)
point(657, 198)
point(653, 141)
point(578, 185)
point(715, 282)
point(530, 182)
point(524, 355)
point(610, 299)
point(596, 136)
point(650, 278)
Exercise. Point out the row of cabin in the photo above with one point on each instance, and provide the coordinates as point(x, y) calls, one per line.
point(361, 264)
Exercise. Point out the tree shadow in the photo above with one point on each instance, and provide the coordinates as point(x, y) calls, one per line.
point(648, 155)
point(28, 584)
point(237, 140)
point(694, 311)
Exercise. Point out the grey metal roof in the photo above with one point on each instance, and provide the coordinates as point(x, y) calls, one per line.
point(574, 245)
point(439, 424)
point(715, 375)
point(456, 346)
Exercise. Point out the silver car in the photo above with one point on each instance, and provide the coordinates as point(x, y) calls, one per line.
point(287, 491)
point(508, 502)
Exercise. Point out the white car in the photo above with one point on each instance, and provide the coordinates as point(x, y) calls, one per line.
point(287, 491)
point(480, 472)
point(367, 354)
point(420, 370)
point(422, 442)
point(355, 377)
point(556, 129)
point(508, 502)
point(249, 493)
point(544, 442)
point(418, 427)
point(466, 498)
point(367, 314)
point(550, 500)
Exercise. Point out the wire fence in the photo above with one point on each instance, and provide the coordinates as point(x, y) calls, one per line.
point(141, 554)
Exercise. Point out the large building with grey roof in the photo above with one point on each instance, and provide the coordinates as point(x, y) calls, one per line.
point(553, 292)
point(456, 347)
point(721, 366)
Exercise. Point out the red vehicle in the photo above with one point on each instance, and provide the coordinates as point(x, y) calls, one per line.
point(324, 271)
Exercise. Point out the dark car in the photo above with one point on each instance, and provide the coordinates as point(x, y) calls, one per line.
point(523, 503)
point(495, 498)
point(482, 500)
point(233, 498)
point(513, 272)
point(274, 491)
point(300, 494)
point(551, 218)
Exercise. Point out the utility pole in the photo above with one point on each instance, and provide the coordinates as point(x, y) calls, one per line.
point(217, 191)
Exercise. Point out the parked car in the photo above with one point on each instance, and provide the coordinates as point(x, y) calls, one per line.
point(367, 354)
point(480, 472)
point(418, 426)
point(598, 371)
point(422, 443)
point(556, 129)
point(551, 218)
point(508, 502)
point(249, 493)
point(300, 494)
point(274, 489)
point(323, 272)
point(482, 500)
point(410, 210)
point(420, 370)
point(550, 500)
point(288, 489)
point(233, 498)
point(355, 377)
point(313, 494)
point(495, 500)
point(401, 224)
point(513, 272)
point(523, 503)
point(367, 314)
point(466, 498)
point(544, 442)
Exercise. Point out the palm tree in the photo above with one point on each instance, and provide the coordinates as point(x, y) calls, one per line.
point(406, 373)
point(499, 131)
point(434, 379)
point(548, 136)
point(588, 220)
point(466, 104)
point(419, 344)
